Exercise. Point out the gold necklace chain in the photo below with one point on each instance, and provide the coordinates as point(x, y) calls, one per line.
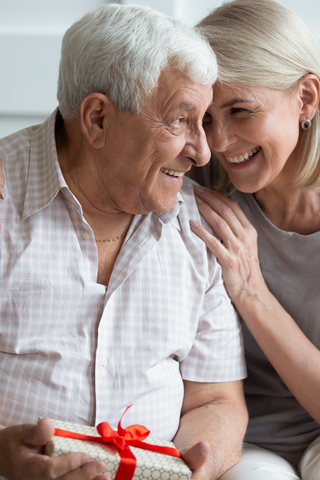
point(110, 239)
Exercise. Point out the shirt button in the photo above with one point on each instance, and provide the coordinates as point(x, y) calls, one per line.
point(86, 235)
point(104, 362)
point(74, 201)
point(144, 240)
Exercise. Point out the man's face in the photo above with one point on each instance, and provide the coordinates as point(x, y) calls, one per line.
point(145, 157)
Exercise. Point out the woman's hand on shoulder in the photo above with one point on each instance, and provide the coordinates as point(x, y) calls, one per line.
point(237, 252)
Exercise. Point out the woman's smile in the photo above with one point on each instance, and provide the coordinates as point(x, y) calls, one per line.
point(243, 157)
point(254, 134)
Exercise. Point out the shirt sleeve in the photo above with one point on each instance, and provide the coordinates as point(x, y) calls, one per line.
point(217, 354)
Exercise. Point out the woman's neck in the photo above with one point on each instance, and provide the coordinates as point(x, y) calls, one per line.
point(291, 209)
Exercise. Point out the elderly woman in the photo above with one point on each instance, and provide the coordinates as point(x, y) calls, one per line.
point(264, 129)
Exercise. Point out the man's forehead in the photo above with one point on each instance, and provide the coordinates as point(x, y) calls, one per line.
point(175, 84)
point(188, 106)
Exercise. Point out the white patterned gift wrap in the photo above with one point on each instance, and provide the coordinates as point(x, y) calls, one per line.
point(150, 465)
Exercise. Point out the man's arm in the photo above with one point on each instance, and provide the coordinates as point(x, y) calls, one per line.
point(214, 413)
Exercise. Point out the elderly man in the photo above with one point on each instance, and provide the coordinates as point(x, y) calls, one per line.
point(107, 298)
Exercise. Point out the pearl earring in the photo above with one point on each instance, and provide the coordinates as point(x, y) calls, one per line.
point(306, 124)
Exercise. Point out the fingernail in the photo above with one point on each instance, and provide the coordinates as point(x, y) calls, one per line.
point(2, 192)
point(194, 224)
point(198, 189)
point(198, 199)
point(84, 458)
point(101, 466)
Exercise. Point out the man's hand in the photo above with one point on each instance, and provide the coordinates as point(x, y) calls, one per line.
point(196, 459)
point(21, 457)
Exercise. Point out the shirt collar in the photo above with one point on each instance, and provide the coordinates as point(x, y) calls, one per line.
point(172, 215)
point(45, 178)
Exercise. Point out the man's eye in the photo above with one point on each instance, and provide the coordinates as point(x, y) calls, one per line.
point(177, 126)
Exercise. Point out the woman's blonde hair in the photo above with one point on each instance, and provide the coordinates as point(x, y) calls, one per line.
point(261, 43)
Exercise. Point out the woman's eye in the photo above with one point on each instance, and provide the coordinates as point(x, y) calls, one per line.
point(238, 110)
point(179, 120)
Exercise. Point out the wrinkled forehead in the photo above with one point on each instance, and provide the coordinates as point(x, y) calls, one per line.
point(178, 91)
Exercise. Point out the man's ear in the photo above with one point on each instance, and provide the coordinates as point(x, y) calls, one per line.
point(94, 111)
point(309, 92)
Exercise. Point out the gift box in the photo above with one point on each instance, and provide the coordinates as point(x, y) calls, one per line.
point(125, 452)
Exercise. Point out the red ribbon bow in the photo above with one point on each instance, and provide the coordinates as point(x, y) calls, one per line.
point(121, 441)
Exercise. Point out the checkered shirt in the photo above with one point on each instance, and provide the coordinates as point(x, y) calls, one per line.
point(74, 350)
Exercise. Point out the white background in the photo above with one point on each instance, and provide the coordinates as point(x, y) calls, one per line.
point(30, 40)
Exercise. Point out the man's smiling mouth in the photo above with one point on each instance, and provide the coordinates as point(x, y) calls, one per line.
point(245, 157)
point(173, 173)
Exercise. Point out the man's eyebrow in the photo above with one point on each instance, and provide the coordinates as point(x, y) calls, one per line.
point(233, 101)
point(186, 106)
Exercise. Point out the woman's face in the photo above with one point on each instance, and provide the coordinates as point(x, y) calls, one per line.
point(255, 135)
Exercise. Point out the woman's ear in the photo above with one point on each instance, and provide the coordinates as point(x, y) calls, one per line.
point(309, 92)
point(94, 111)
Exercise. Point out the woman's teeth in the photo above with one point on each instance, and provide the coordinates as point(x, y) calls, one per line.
point(172, 172)
point(244, 157)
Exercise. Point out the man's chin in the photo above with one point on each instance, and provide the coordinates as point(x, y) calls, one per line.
point(165, 207)
point(157, 203)
point(158, 207)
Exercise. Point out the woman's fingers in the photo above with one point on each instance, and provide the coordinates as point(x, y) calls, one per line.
point(237, 262)
point(226, 218)
point(232, 270)
point(237, 251)
point(224, 206)
point(224, 229)
point(214, 245)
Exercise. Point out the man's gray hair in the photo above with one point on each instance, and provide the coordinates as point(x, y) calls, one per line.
point(121, 50)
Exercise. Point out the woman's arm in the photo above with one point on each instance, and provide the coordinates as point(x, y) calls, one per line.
point(293, 356)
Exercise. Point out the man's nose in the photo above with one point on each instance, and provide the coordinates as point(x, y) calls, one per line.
point(197, 148)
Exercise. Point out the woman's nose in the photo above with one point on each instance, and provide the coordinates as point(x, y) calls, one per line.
point(220, 138)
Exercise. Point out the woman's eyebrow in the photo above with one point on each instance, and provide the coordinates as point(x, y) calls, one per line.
point(235, 100)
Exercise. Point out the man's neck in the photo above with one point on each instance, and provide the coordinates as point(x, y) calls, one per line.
point(77, 168)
